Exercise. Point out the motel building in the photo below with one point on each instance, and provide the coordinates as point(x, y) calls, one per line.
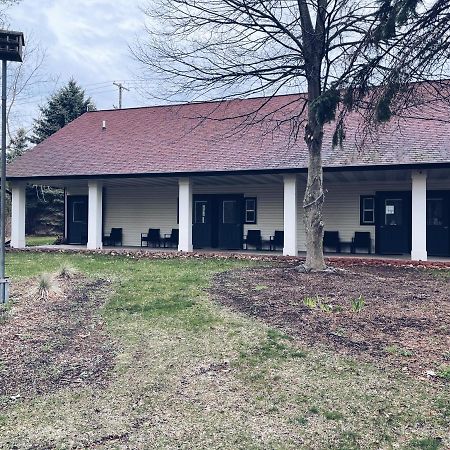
point(211, 176)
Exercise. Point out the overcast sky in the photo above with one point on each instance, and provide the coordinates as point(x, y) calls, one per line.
point(84, 39)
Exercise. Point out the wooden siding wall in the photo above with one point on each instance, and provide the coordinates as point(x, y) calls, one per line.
point(137, 208)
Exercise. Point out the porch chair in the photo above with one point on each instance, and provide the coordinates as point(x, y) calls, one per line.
point(114, 238)
point(152, 237)
point(331, 240)
point(254, 239)
point(362, 240)
point(171, 239)
point(277, 240)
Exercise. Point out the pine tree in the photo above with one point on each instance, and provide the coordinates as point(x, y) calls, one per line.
point(62, 107)
point(18, 145)
point(45, 205)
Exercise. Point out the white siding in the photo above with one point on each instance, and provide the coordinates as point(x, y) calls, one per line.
point(136, 209)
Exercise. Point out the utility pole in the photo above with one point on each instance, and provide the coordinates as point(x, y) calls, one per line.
point(121, 89)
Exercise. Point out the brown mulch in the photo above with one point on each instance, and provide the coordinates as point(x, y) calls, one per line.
point(404, 323)
point(143, 253)
point(61, 341)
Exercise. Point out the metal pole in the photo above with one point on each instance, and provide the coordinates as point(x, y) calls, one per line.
point(3, 280)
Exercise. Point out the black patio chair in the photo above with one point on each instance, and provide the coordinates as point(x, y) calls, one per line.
point(277, 240)
point(254, 239)
point(171, 240)
point(362, 240)
point(331, 240)
point(114, 238)
point(152, 237)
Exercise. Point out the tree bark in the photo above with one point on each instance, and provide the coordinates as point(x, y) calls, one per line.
point(314, 195)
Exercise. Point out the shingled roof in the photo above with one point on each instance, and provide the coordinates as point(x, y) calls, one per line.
point(214, 137)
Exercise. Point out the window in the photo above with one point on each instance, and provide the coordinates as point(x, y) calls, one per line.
point(367, 210)
point(230, 211)
point(200, 212)
point(79, 212)
point(435, 211)
point(393, 212)
point(250, 210)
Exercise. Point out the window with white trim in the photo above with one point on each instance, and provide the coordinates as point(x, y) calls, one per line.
point(250, 210)
point(367, 210)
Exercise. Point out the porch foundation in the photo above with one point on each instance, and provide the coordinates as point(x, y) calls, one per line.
point(18, 215)
point(419, 216)
point(290, 215)
point(95, 214)
point(185, 215)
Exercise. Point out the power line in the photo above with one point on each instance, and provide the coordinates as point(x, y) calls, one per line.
point(121, 89)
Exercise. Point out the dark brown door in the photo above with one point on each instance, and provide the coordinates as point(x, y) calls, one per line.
point(393, 224)
point(438, 236)
point(77, 219)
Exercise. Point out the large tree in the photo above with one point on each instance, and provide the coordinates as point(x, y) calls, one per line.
point(65, 105)
point(325, 48)
point(45, 205)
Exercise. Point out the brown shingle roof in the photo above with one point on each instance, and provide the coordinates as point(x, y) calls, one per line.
point(201, 137)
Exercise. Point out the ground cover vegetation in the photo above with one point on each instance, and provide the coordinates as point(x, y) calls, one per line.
point(123, 353)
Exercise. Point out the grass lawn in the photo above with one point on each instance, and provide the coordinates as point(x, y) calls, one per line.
point(34, 241)
point(190, 374)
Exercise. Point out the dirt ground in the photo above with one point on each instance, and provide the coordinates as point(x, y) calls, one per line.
point(404, 320)
point(56, 342)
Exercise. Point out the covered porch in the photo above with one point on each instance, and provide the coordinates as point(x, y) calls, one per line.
point(403, 212)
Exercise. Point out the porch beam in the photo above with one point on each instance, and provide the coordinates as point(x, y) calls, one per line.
point(18, 204)
point(290, 215)
point(419, 215)
point(95, 214)
point(185, 214)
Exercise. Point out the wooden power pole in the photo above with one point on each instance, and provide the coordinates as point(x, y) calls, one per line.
point(121, 89)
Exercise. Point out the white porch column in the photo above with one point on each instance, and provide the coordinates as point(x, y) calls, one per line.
point(290, 215)
point(95, 208)
point(185, 215)
point(18, 215)
point(419, 216)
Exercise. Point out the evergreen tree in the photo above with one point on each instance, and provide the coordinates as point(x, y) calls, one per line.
point(45, 205)
point(18, 145)
point(62, 107)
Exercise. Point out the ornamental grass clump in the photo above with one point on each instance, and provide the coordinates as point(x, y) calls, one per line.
point(46, 286)
point(67, 271)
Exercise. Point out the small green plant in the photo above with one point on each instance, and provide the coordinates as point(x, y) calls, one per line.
point(333, 415)
point(357, 304)
point(398, 351)
point(325, 307)
point(260, 287)
point(299, 420)
point(317, 302)
point(67, 271)
point(426, 444)
point(311, 302)
point(444, 372)
point(46, 285)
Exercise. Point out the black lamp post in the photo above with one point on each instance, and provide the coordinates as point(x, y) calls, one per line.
point(11, 46)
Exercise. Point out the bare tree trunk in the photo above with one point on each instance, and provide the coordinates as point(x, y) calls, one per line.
point(314, 195)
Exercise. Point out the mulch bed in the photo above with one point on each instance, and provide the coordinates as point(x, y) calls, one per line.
point(143, 253)
point(47, 344)
point(404, 323)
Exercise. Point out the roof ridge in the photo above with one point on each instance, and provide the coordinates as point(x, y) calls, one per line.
point(194, 103)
